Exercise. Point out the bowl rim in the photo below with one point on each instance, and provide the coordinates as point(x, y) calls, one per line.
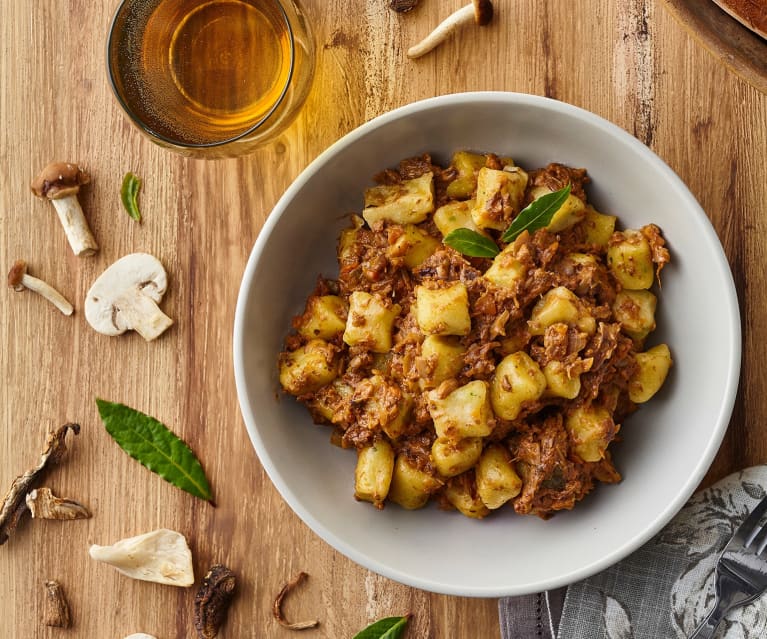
point(721, 420)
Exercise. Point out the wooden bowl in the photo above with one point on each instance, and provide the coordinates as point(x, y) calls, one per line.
point(734, 41)
point(750, 13)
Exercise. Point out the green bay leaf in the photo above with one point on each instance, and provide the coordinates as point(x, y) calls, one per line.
point(129, 195)
point(471, 243)
point(387, 628)
point(536, 215)
point(152, 444)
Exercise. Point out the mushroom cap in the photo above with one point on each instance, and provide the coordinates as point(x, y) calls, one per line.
point(402, 6)
point(483, 12)
point(17, 272)
point(129, 277)
point(59, 179)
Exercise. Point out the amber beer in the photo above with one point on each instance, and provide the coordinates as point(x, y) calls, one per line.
point(195, 73)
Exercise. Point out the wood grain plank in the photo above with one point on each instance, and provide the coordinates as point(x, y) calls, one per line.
point(732, 43)
point(629, 62)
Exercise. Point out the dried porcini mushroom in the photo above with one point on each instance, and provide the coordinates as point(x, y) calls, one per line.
point(403, 6)
point(277, 607)
point(212, 601)
point(43, 504)
point(14, 503)
point(125, 297)
point(162, 556)
point(56, 608)
point(60, 183)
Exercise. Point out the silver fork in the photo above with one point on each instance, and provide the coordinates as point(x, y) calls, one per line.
point(741, 572)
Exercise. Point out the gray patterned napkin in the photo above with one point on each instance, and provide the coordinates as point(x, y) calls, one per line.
point(661, 591)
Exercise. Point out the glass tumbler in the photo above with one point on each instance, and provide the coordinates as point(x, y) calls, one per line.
point(210, 78)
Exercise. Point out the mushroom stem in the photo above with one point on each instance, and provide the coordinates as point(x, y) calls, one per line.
point(75, 225)
point(480, 10)
point(442, 32)
point(48, 292)
point(141, 314)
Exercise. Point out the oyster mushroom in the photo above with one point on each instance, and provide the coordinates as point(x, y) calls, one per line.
point(125, 297)
point(162, 556)
point(60, 183)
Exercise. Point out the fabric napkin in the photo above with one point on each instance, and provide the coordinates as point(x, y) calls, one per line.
point(661, 591)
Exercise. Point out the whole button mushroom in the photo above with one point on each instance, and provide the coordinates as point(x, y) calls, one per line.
point(125, 297)
point(60, 183)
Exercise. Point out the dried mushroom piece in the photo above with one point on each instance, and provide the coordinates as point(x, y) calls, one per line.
point(56, 607)
point(14, 503)
point(140, 635)
point(277, 607)
point(162, 556)
point(212, 601)
point(43, 504)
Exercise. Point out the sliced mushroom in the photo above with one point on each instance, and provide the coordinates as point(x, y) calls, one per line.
point(18, 279)
point(125, 297)
point(162, 556)
point(43, 504)
point(60, 183)
point(140, 635)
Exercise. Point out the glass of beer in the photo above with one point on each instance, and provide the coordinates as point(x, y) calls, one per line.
point(210, 78)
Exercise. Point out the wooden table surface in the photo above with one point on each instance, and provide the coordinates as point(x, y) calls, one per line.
point(629, 62)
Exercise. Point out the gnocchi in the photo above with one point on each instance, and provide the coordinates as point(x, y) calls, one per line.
point(496, 380)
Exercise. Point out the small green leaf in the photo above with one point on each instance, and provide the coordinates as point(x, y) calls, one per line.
point(151, 443)
point(129, 195)
point(537, 214)
point(388, 628)
point(471, 243)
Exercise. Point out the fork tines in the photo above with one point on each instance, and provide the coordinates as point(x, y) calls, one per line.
point(758, 528)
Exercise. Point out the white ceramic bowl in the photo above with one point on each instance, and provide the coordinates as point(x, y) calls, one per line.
point(667, 446)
